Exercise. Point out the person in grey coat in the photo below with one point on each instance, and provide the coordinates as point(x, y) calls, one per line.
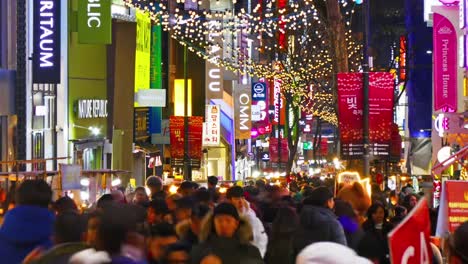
point(318, 223)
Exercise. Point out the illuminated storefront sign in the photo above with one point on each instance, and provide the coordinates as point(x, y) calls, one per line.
point(46, 30)
point(92, 108)
point(214, 74)
point(212, 126)
point(94, 22)
point(242, 111)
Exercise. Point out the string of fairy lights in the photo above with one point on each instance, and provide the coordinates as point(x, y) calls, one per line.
point(305, 60)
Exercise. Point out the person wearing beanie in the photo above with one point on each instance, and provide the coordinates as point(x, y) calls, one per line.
point(329, 253)
point(317, 221)
point(235, 196)
point(155, 184)
point(227, 235)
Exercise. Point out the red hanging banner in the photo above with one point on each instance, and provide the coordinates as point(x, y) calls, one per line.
point(195, 137)
point(176, 128)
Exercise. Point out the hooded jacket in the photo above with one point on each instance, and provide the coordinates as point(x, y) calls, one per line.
point(260, 238)
point(318, 224)
point(25, 228)
point(235, 250)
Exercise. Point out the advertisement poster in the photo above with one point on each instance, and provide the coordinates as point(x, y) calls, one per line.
point(350, 113)
point(176, 128)
point(453, 209)
point(70, 176)
point(445, 64)
point(278, 102)
point(212, 126)
point(143, 52)
point(409, 242)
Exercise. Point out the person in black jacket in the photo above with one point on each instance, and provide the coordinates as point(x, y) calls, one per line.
point(377, 228)
point(226, 235)
point(318, 223)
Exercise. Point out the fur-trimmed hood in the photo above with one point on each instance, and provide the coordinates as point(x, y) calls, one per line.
point(244, 232)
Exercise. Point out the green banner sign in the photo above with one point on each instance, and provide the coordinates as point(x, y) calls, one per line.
point(143, 52)
point(156, 42)
point(94, 22)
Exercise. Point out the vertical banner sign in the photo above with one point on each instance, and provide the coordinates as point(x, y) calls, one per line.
point(273, 150)
point(195, 138)
point(445, 64)
point(453, 209)
point(94, 22)
point(155, 75)
point(402, 61)
point(143, 51)
point(277, 100)
point(212, 126)
point(410, 241)
point(381, 92)
point(242, 111)
point(214, 74)
point(46, 38)
point(350, 114)
point(282, 24)
point(176, 128)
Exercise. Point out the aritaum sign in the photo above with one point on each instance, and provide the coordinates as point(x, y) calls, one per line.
point(46, 51)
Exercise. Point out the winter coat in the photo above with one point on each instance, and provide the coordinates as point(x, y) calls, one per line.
point(380, 236)
point(353, 231)
point(185, 233)
point(260, 238)
point(25, 228)
point(235, 250)
point(317, 224)
point(280, 250)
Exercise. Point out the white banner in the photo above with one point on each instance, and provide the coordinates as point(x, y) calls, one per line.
point(212, 126)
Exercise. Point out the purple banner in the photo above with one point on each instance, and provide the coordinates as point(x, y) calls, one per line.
point(445, 64)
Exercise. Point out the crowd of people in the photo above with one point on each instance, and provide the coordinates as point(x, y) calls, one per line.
point(299, 222)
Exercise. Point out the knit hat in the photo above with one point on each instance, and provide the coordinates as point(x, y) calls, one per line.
point(226, 209)
point(329, 253)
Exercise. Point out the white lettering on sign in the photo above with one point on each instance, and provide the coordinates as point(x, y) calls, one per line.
point(245, 115)
point(215, 84)
point(411, 251)
point(46, 42)
point(277, 97)
point(94, 13)
point(92, 108)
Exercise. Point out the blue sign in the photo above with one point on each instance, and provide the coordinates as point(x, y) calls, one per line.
point(259, 91)
point(46, 38)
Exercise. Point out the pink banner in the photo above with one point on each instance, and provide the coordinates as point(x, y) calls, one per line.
point(381, 91)
point(350, 114)
point(350, 111)
point(445, 64)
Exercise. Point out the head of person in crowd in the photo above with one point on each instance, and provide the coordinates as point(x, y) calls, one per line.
point(69, 227)
point(64, 204)
point(377, 214)
point(306, 190)
point(157, 211)
point(285, 222)
point(155, 184)
point(115, 224)
point(93, 221)
point(274, 194)
point(177, 253)
point(105, 201)
point(184, 208)
point(329, 253)
point(140, 198)
point(34, 193)
point(171, 201)
point(118, 196)
point(410, 201)
point(186, 188)
point(320, 197)
point(235, 196)
point(162, 236)
point(261, 185)
point(225, 221)
point(212, 182)
point(203, 196)
point(458, 245)
point(198, 214)
point(400, 214)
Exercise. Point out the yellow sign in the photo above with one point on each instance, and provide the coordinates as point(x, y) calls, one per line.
point(349, 177)
point(143, 52)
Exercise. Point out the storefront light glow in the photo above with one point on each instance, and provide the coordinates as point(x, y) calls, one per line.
point(116, 182)
point(84, 195)
point(84, 182)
